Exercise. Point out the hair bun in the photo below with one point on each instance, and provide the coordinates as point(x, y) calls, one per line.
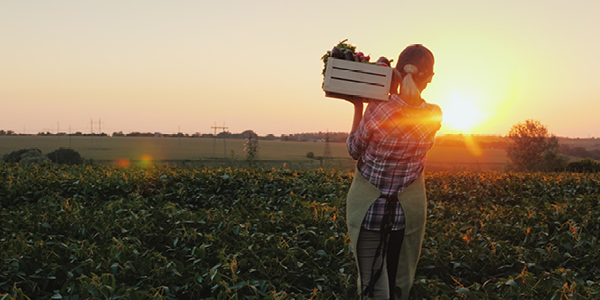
point(410, 69)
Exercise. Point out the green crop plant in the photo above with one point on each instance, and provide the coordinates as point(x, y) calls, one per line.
point(94, 232)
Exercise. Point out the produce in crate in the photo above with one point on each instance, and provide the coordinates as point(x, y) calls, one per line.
point(383, 61)
point(350, 75)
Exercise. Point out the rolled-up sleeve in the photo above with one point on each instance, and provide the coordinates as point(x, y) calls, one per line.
point(357, 141)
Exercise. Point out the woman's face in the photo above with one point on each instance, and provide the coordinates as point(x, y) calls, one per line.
point(422, 84)
point(427, 81)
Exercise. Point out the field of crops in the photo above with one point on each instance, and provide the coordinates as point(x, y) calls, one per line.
point(211, 233)
point(230, 152)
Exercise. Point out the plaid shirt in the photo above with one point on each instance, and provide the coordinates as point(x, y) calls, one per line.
point(391, 144)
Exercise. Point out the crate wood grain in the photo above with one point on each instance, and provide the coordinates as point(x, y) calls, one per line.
point(356, 79)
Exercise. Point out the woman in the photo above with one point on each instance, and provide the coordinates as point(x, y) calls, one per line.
point(386, 202)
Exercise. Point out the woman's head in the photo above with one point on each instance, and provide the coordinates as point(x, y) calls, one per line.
point(415, 64)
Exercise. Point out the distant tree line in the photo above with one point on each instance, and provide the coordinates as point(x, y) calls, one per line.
point(481, 144)
point(78, 133)
point(8, 132)
point(48, 133)
point(336, 137)
point(580, 152)
point(303, 137)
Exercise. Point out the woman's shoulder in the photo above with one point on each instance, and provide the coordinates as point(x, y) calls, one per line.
point(375, 105)
point(434, 108)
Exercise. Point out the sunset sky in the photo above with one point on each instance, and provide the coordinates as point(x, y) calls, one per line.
point(157, 66)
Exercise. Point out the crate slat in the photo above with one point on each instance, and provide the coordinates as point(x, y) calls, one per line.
point(357, 79)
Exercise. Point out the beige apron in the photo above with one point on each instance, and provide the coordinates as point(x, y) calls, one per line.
point(414, 203)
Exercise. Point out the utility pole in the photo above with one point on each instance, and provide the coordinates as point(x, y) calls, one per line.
point(224, 139)
point(70, 137)
point(327, 152)
point(179, 135)
point(99, 131)
point(92, 129)
point(215, 139)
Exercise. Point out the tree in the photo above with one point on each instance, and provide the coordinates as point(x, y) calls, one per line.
point(16, 156)
point(251, 146)
point(25, 156)
point(533, 148)
point(552, 159)
point(33, 157)
point(65, 156)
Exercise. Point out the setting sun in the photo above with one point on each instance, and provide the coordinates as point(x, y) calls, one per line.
point(476, 87)
point(461, 114)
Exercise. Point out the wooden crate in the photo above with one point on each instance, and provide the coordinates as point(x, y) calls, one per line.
point(356, 79)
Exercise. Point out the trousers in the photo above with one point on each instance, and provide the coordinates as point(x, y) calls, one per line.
point(369, 264)
point(414, 203)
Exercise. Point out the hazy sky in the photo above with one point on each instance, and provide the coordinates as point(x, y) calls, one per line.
point(164, 65)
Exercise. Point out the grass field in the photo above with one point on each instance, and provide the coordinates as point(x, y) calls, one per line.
point(108, 150)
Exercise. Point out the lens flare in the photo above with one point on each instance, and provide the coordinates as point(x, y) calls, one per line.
point(472, 145)
point(123, 163)
point(146, 160)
